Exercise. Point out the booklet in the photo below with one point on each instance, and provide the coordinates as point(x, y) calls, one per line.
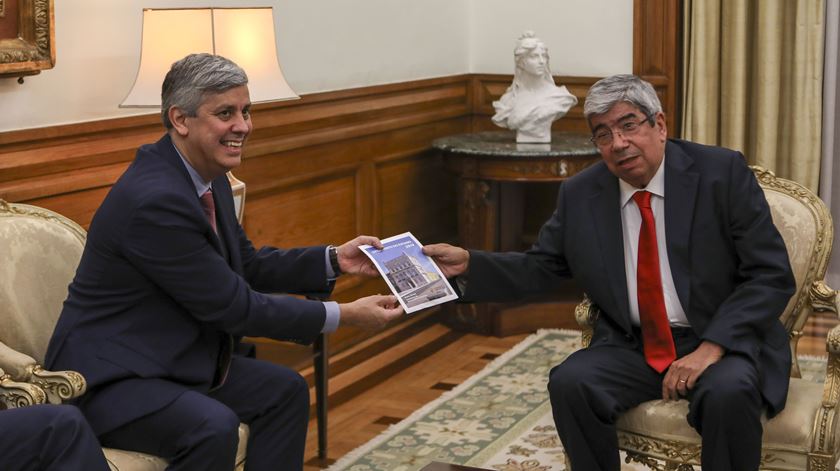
point(412, 276)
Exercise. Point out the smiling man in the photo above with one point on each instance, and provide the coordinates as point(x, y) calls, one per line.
point(168, 284)
point(674, 242)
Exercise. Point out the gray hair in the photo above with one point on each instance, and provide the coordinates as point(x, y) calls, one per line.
point(190, 78)
point(609, 91)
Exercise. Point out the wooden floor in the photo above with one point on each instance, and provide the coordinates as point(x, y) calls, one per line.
point(361, 418)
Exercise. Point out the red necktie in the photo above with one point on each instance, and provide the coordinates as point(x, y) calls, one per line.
point(656, 330)
point(209, 208)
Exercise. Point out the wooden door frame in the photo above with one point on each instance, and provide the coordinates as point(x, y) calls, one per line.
point(657, 53)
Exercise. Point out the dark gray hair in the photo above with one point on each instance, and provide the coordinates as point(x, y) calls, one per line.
point(609, 91)
point(190, 78)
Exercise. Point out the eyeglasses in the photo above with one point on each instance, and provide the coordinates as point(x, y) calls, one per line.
point(604, 137)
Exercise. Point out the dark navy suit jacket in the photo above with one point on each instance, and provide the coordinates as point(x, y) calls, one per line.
point(729, 263)
point(156, 293)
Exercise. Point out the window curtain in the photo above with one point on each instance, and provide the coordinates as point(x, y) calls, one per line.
point(830, 174)
point(752, 74)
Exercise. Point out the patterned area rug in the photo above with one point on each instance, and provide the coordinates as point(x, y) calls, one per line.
point(500, 418)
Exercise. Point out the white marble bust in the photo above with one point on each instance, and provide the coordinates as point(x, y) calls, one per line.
point(533, 101)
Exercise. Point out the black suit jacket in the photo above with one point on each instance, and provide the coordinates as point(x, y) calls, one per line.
point(729, 263)
point(156, 293)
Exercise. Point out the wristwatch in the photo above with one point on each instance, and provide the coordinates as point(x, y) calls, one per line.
point(333, 252)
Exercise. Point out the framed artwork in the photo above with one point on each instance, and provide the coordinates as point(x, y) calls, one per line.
point(27, 37)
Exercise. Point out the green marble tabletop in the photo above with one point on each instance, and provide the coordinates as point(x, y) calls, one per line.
point(503, 144)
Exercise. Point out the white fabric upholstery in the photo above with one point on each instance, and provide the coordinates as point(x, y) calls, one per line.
point(41, 251)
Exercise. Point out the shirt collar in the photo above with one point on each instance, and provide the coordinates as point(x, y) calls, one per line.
point(655, 186)
point(201, 186)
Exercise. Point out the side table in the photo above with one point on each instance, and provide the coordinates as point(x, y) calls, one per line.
point(492, 169)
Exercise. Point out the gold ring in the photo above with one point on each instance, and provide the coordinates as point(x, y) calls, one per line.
point(682, 381)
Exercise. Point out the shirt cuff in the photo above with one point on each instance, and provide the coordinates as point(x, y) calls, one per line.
point(461, 281)
point(333, 316)
point(330, 273)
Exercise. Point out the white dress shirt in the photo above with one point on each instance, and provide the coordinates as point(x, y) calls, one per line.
point(631, 223)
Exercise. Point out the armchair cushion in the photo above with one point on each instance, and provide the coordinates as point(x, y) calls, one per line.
point(123, 460)
point(788, 436)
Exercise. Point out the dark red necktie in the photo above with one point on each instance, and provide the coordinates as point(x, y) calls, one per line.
point(656, 330)
point(209, 208)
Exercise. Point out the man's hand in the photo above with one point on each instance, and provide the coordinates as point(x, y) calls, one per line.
point(683, 373)
point(372, 312)
point(451, 260)
point(354, 261)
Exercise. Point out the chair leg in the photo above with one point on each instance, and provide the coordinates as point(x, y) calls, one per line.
point(321, 390)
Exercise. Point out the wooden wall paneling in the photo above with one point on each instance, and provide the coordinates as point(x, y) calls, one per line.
point(322, 207)
point(36, 163)
point(657, 52)
point(417, 194)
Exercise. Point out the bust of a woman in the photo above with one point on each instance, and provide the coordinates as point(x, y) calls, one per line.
point(532, 102)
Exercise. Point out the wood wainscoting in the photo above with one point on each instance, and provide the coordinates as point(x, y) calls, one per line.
point(321, 169)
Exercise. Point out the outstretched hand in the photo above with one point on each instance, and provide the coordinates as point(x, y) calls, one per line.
point(351, 260)
point(451, 260)
point(371, 312)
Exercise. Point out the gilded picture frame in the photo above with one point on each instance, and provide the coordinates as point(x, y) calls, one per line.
point(27, 37)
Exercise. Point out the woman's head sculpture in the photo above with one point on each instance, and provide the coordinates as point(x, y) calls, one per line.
point(533, 101)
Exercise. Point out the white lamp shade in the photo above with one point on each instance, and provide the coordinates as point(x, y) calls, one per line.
point(243, 35)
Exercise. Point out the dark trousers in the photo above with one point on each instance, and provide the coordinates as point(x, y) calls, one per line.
point(200, 431)
point(49, 438)
point(593, 386)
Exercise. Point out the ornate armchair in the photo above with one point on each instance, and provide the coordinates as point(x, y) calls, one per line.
point(804, 435)
point(41, 250)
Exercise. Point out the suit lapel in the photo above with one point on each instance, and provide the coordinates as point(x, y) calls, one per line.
point(606, 216)
point(224, 201)
point(680, 197)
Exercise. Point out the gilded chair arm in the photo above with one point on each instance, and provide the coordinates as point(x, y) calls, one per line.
point(60, 386)
point(823, 298)
point(586, 314)
point(14, 394)
point(824, 423)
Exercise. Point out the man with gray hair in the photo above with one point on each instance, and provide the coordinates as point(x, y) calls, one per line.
point(169, 284)
point(674, 242)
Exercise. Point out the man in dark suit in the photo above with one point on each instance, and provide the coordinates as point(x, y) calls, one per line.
point(48, 438)
point(168, 284)
point(674, 242)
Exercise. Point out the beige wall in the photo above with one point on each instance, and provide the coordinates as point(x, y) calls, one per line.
point(323, 45)
point(591, 38)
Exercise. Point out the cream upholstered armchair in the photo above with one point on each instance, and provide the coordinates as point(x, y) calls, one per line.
point(804, 435)
point(41, 250)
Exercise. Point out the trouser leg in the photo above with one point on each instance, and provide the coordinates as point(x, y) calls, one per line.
point(274, 402)
point(50, 438)
point(725, 409)
point(588, 391)
point(193, 432)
